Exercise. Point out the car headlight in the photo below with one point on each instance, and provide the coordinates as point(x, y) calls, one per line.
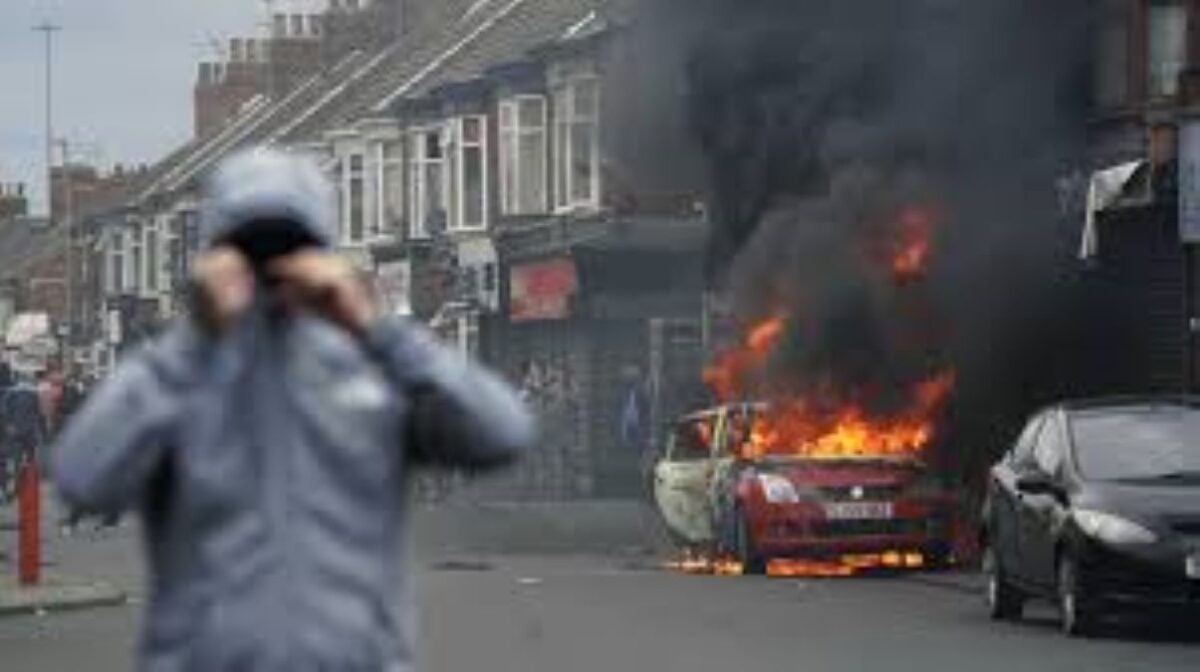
point(777, 489)
point(1113, 529)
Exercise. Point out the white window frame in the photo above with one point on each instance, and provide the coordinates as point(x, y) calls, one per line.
point(114, 270)
point(151, 251)
point(566, 116)
point(418, 163)
point(375, 230)
point(1162, 70)
point(458, 147)
point(511, 133)
point(349, 174)
point(389, 194)
point(134, 260)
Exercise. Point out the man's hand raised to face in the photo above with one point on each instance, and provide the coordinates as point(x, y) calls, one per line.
point(326, 285)
point(313, 281)
point(223, 288)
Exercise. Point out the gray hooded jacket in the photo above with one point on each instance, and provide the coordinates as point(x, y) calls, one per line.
point(270, 465)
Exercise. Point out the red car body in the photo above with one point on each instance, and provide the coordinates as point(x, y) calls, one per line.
point(756, 510)
point(844, 507)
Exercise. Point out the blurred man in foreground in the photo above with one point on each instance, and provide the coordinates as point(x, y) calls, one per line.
point(268, 439)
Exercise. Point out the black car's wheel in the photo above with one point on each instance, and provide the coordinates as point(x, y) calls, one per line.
point(743, 545)
point(1004, 601)
point(1078, 615)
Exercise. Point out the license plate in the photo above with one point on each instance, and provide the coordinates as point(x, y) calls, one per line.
point(858, 510)
point(1193, 566)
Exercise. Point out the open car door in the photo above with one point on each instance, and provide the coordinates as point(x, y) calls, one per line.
point(682, 479)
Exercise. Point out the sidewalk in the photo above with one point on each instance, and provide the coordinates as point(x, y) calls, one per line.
point(64, 586)
point(55, 593)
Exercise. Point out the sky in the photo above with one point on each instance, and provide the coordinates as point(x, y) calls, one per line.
point(123, 71)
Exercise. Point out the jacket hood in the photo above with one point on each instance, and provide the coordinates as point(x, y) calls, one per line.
point(266, 185)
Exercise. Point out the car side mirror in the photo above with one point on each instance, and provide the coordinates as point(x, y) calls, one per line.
point(1038, 483)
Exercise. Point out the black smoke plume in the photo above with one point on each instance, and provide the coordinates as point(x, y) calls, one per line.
point(811, 125)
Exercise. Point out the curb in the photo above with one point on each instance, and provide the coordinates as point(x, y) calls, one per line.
point(58, 595)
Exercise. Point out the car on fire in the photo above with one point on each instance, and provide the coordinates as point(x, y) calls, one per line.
point(795, 507)
point(1097, 507)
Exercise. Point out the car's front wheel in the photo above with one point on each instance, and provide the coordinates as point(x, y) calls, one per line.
point(1004, 601)
point(743, 545)
point(1078, 615)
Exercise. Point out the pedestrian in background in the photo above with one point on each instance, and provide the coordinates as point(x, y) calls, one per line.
point(24, 421)
point(268, 439)
point(7, 455)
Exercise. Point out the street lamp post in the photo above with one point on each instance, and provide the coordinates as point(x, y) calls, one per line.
point(67, 224)
point(48, 30)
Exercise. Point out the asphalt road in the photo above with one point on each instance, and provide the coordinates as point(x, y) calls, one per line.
point(559, 613)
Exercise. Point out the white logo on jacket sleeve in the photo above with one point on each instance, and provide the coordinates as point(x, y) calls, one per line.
point(360, 393)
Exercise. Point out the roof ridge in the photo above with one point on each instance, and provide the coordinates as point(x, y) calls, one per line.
point(261, 112)
point(333, 93)
point(445, 55)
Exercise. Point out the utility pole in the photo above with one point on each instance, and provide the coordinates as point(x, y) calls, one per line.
point(48, 29)
point(68, 221)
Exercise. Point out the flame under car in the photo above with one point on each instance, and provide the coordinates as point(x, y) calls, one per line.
point(791, 511)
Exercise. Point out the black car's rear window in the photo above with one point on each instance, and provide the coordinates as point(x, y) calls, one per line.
point(1134, 444)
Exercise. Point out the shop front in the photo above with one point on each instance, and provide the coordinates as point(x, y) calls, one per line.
point(601, 330)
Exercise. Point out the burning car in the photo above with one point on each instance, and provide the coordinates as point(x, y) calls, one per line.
point(729, 486)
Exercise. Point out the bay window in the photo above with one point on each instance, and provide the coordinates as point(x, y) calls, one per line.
point(467, 152)
point(133, 272)
point(356, 200)
point(522, 147)
point(151, 257)
point(577, 144)
point(116, 262)
point(389, 188)
point(426, 200)
point(1166, 46)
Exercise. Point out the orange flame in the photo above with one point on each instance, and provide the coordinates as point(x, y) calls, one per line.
point(846, 565)
point(796, 427)
point(912, 247)
point(729, 374)
point(800, 427)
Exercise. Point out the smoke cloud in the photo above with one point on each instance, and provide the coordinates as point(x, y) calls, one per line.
point(814, 126)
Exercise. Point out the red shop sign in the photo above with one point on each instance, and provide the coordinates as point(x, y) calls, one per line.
point(543, 290)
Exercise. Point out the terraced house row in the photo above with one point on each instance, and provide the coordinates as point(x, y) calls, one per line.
point(467, 139)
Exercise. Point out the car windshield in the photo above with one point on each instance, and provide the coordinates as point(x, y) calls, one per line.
point(1148, 444)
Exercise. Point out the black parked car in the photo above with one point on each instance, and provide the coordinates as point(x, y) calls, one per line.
point(1097, 506)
